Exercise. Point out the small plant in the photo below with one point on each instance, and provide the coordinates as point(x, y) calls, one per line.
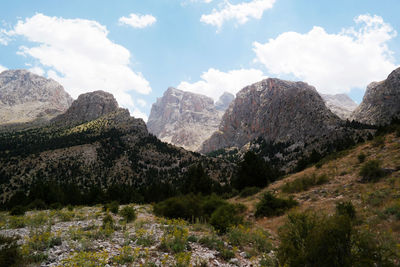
point(175, 239)
point(128, 213)
point(87, 259)
point(394, 210)
point(270, 205)
point(346, 209)
point(379, 141)
point(242, 236)
point(371, 171)
point(112, 207)
point(17, 210)
point(126, 256)
point(249, 191)
point(304, 183)
point(225, 217)
point(108, 222)
point(9, 252)
point(183, 259)
point(361, 157)
point(16, 222)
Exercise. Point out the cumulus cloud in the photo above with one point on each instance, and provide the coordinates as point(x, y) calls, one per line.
point(241, 13)
point(138, 21)
point(78, 54)
point(214, 82)
point(334, 63)
point(2, 68)
point(37, 70)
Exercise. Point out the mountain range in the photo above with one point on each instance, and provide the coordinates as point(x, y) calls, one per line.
point(92, 142)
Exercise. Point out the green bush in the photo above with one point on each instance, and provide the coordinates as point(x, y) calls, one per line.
point(311, 240)
point(108, 222)
point(225, 217)
point(189, 207)
point(371, 171)
point(249, 191)
point(304, 183)
point(9, 252)
point(361, 157)
point(37, 204)
point(112, 207)
point(56, 206)
point(346, 209)
point(17, 210)
point(270, 205)
point(128, 213)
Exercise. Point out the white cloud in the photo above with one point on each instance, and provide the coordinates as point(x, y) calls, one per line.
point(138, 21)
point(4, 39)
point(80, 56)
point(241, 13)
point(141, 102)
point(334, 63)
point(214, 82)
point(2, 68)
point(37, 70)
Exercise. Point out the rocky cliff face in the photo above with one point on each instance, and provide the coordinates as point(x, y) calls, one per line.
point(381, 101)
point(278, 111)
point(185, 119)
point(340, 104)
point(224, 101)
point(88, 107)
point(25, 97)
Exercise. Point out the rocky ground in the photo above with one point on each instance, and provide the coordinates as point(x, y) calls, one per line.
point(77, 238)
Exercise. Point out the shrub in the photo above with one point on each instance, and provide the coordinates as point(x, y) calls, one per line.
point(108, 222)
point(37, 204)
point(128, 213)
point(371, 171)
point(17, 211)
point(175, 239)
point(311, 240)
point(243, 236)
point(304, 183)
point(361, 157)
point(189, 207)
point(9, 252)
point(249, 191)
point(270, 205)
point(225, 217)
point(394, 210)
point(346, 209)
point(56, 206)
point(113, 207)
point(378, 141)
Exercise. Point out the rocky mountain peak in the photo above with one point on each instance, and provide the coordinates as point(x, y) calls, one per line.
point(89, 106)
point(224, 101)
point(183, 118)
point(25, 96)
point(276, 110)
point(381, 101)
point(340, 104)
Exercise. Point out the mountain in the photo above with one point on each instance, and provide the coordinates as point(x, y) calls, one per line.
point(340, 104)
point(381, 102)
point(224, 101)
point(112, 150)
point(186, 119)
point(88, 107)
point(286, 120)
point(25, 97)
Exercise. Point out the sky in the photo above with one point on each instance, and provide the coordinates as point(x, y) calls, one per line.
point(136, 49)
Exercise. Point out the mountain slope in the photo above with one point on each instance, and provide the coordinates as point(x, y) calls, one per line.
point(114, 149)
point(25, 97)
point(381, 102)
point(340, 104)
point(186, 119)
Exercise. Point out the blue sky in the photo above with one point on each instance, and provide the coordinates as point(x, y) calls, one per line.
point(202, 46)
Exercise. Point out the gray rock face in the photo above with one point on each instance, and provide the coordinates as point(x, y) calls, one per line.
point(278, 111)
point(381, 101)
point(340, 104)
point(185, 119)
point(224, 101)
point(88, 107)
point(25, 97)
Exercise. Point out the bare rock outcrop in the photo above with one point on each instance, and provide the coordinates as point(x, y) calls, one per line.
point(278, 111)
point(186, 119)
point(87, 107)
point(381, 102)
point(340, 104)
point(25, 97)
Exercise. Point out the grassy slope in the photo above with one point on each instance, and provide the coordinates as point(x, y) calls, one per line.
point(370, 199)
